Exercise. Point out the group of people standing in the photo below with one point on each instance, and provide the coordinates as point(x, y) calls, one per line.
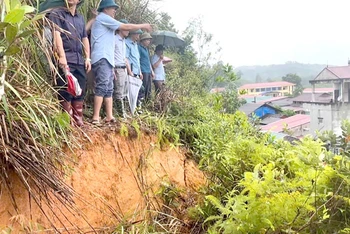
point(118, 50)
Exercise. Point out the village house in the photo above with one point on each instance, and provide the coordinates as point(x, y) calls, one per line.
point(329, 115)
point(274, 89)
point(261, 111)
point(296, 125)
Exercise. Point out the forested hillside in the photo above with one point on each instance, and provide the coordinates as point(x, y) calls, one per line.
point(274, 72)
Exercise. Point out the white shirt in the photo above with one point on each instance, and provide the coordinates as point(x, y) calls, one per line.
point(159, 73)
point(119, 51)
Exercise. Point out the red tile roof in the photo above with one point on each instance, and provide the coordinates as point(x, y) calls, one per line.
point(342, 72)
point(266, 85)
point(319, 90)
point(292, 122)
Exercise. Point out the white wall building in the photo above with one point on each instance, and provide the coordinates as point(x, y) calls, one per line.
point(329, 116)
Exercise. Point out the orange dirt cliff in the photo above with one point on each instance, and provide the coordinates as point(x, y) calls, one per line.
point(115, 180)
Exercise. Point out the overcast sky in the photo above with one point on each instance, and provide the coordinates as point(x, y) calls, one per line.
point(262, 32)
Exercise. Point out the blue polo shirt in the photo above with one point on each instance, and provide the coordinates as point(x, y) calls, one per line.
point(103, 38)
point(75, 25)
point(133, 55)
point(145, 61)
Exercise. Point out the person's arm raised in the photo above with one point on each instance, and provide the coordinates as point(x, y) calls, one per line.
point(89, 24)
point(159, 61)
point(133, 27)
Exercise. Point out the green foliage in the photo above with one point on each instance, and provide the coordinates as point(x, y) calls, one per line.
point(288, 113)
point(257, 185)
point(295, 79)
point(262, 187)
point(14, 26)
point(228, 101)
point(169, 194)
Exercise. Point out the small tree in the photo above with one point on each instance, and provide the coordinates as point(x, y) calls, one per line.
point(229, 99)
point(295, 79)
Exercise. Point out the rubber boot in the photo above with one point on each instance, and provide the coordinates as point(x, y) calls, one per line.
point(121, 108)
point(78, 112)
point(66, 106)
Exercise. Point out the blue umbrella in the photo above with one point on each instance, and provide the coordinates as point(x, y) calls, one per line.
point(167, 38)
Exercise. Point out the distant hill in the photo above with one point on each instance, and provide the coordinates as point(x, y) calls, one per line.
point(275, 72)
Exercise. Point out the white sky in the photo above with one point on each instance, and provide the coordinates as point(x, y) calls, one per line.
point(262, 32)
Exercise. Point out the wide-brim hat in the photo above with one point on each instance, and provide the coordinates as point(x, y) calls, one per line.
point(145, 36)
point(124, 21)
point(107, 3)
point(138, 31)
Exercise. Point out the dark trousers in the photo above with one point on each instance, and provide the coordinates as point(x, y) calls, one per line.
point(158, 84)
point(147, 84)
point(79, 72)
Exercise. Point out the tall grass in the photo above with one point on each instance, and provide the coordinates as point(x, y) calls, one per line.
point(33, 130)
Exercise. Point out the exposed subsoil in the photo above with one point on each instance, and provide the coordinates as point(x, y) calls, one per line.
point(117, 179)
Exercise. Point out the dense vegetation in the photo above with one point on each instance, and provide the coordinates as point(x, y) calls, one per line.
point(258, 184)
point(255, 183)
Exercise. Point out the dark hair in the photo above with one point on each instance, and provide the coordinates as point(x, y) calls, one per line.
point(159, 48)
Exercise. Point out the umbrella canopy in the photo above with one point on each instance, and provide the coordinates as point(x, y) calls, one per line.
point(167, 38)
point(47, 4)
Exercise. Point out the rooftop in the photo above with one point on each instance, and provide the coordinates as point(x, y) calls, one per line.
point(319, 90)
point(342, 72)
point(273, 99)
point(249, 108)
point(281, 102)
point(290, 123)
point(256, 98)
point(269, 119)
point(332, 74)
point(319, 98)
point(293, 108)
point(266, 85)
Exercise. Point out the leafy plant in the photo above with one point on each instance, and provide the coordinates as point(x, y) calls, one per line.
point(32, 128)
